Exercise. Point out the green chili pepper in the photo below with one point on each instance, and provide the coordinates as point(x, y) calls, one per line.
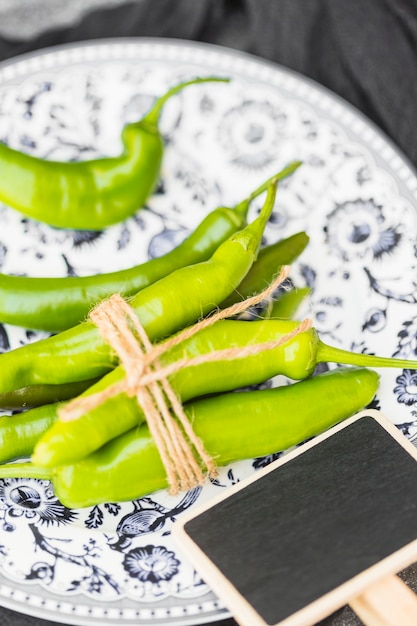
point(171, 303)
point(90, 194)
point(234, 426)
point(267, 266)
point(67, 442)
point(38, 395)
point(287, 303)
point(19, 433)
point(56, 304)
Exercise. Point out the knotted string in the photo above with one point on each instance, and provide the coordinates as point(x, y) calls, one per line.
point(182, 452)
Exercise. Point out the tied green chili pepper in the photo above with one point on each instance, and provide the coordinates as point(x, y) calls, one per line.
point(67, 442)
point(90, 194)
point(238, 425)
point(56, 304)
point(283, 252)
point(163, 308)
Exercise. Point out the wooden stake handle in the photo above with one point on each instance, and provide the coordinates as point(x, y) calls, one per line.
point(388, 602)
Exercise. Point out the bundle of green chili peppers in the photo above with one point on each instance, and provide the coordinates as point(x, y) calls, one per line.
point(88, 459)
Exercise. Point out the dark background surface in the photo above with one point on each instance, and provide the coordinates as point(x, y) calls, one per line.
point(364, 51)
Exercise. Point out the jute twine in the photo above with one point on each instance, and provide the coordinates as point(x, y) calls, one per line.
point(182, 453)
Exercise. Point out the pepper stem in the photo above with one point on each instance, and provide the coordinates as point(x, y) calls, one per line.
point(152, 117)
point(24, 470)
point(331, 354)
point(242, 207)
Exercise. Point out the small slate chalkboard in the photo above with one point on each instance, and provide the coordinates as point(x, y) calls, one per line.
point(315, 529)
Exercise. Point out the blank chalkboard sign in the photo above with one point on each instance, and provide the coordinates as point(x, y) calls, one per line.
point(327, 524)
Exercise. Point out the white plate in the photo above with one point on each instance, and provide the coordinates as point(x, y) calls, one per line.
point(354, 195)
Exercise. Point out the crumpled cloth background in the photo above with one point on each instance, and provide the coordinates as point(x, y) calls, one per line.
point(366, 52)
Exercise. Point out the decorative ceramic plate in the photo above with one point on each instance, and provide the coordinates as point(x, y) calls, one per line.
point(354, 195)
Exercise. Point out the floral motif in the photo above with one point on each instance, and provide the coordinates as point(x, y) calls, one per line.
point(33, 499)
point(406, 388)
point(407, 346)
point(358, 229)
point(251, 132)
point(151, 563)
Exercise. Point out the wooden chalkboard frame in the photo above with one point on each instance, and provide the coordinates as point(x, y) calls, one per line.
point(350, 592)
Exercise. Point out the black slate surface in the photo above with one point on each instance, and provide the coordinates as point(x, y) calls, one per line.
point(315, 522)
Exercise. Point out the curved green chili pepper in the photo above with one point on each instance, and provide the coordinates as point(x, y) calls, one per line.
point(168, 305)
point(56, 304)
point(67, 442)
point(90, 194)
point(234, 426)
